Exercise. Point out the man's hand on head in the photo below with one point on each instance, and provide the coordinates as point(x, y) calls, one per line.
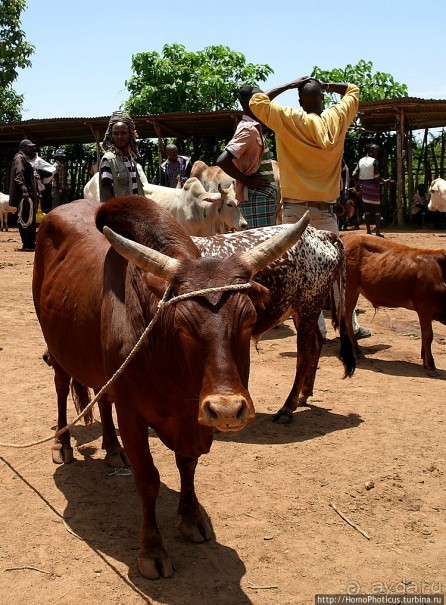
point(301, 81)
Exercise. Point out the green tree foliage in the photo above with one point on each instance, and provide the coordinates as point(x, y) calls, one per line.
point(373, 86)
point(178, 80)
point(15, 53)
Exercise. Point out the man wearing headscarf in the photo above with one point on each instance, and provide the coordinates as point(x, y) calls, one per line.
point(118, 168)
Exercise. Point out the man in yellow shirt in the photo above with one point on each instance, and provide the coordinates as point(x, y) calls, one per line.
point(310, 145)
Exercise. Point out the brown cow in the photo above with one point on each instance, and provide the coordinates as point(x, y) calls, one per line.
point(393, 275)
point(190, 376)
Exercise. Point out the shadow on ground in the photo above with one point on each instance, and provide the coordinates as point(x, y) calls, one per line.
point(308, 423)
point(108, 519)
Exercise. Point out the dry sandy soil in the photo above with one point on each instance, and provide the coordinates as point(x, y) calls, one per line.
point(69, 534)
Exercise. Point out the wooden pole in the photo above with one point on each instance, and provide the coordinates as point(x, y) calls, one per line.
point(160, 147)
point(410, 184)
point(399, 166)
point(95, 133)
point(422, 154)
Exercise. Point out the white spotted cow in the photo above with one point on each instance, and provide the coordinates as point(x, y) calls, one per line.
point(5, 208)
point(438, 196)
point(198, 211)
point(299, 283)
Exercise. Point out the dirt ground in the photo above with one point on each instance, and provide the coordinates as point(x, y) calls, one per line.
point(69, 534)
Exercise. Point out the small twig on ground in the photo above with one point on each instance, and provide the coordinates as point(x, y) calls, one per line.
point(70, 531)
point(49, 573)
point(252, 587)
point(347, 520)
point(64, 595)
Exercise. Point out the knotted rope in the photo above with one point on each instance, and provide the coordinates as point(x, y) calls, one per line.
point(163, 303)
point(21, 222)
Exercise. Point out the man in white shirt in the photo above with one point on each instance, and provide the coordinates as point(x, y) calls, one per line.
point(366, 176)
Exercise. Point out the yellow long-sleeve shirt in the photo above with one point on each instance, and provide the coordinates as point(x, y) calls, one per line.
point(309, 147)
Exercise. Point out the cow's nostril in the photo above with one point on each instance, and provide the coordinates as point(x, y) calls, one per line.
point(241, 412)
point(213, 415)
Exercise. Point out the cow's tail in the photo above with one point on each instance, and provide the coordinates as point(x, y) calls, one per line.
point(346, 354)
point(81, 396)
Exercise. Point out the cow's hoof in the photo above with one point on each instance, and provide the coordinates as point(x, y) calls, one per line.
point(197, 532)
point(303, 403)
point(154, 567)
point(117, 459)
point(62, 453)
point(433, 373)
point(283, 417)
point(47, 358)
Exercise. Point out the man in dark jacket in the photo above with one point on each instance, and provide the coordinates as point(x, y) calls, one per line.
point(22, 194)
point(174, 168)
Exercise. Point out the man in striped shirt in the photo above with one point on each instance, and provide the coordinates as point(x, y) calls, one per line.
point(118, 168)
point(247, 159)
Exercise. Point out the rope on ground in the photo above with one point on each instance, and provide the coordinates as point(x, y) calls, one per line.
point(161, 305)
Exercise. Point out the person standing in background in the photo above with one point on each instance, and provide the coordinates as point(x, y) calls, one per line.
point(59, 184)
point(310, 146)
point(22, 194)
point(368, 181)
point(176, 167)
point(247, 159)
point(118, 169)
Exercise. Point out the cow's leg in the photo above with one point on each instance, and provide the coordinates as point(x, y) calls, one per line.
point(351, 299)
point(115, 455)
point(152, 558)
point(310, 375)
point(427, 336)
point(306, 328)
point(195, 524)
point(62, 452)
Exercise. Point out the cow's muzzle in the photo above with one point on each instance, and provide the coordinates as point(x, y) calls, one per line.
point(226, 412)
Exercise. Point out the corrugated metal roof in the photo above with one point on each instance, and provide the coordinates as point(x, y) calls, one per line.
point(376, 116)
point(380, 116)
point(60, 131)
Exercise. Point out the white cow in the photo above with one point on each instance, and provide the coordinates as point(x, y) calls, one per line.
point(213, 176)
point(438, 196)
point(201, 213)
point(4, 209)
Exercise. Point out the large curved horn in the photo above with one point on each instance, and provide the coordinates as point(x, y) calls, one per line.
point(145, 258)
point(267, 252)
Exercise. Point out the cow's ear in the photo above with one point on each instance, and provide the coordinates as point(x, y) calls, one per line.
point(156, 285)
point(260, 296)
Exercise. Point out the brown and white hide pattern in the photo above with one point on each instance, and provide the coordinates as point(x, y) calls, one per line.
point(299, 283)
